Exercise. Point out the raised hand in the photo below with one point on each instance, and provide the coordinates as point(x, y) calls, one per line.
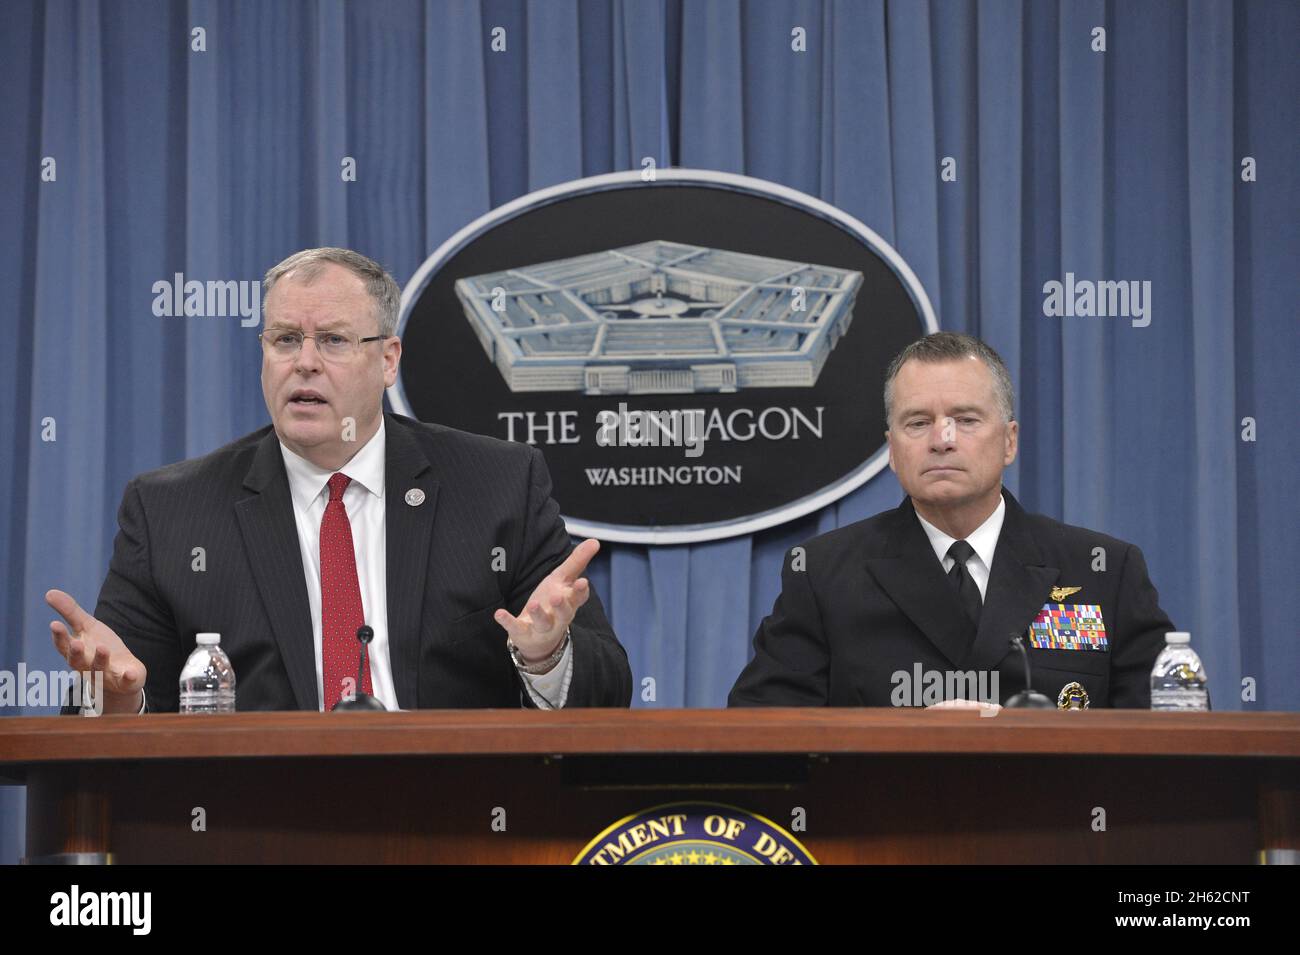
point(540, 627)
point(90, 645)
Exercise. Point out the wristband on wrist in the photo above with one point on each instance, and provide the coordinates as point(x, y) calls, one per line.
point(541, 666)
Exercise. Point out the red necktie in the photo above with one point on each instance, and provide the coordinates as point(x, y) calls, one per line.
point(340, 599)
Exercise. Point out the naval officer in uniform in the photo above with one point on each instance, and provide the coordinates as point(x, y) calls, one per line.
point(942, 583)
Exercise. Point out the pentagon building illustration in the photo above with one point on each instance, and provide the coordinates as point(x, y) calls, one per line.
point(660, 318)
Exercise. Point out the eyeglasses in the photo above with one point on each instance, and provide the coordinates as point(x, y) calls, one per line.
point(332, 346)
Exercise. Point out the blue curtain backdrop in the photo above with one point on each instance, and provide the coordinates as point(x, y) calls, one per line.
point(1122, 164)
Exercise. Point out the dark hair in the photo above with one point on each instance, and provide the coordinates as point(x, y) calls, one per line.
point(953, 346)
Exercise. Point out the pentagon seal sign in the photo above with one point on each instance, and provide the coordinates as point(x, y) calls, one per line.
point(694, 833)
point(697, 357)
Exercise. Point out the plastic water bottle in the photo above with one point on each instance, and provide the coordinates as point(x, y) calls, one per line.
point(1178, 679)
point(208, 679)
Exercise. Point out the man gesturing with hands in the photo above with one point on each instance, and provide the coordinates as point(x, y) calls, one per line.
point(447, 545)
point(91, 647)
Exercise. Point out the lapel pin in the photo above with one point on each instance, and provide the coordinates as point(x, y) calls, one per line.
point(1072, 697)
point(1060, 593)
point(415, 497)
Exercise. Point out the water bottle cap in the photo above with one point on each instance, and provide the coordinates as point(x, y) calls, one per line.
point(207, 639)
point(1178, 637)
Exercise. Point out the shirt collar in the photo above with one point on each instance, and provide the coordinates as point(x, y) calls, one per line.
point(983, 540)
point(366, 468)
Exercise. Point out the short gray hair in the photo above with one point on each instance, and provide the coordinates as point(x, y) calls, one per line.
point(380, 286)
point(953, 346)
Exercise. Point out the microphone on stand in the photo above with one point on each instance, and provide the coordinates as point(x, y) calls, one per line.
point(1028, 698)
point(362, 700)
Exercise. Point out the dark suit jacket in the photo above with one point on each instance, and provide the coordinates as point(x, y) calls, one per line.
point(872, 599)
point(446, 650)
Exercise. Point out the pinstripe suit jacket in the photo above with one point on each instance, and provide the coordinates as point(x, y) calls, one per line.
point(446, 650)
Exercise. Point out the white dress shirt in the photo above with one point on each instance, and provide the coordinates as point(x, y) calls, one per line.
point(363, 499)
point(983, 540)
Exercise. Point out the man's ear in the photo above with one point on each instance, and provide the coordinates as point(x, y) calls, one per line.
point(1013, 443)
point(392, 358)
point(889, 443)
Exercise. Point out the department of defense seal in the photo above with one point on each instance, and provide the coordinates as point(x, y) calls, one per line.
point(690, 833)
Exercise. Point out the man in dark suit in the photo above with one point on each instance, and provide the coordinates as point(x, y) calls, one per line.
point(448, 545)
point(934, 591)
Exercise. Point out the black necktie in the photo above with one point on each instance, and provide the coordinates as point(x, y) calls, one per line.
point(968, 592)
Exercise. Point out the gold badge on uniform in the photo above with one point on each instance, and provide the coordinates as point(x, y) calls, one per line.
point(1060, 593)
point(1072, 697)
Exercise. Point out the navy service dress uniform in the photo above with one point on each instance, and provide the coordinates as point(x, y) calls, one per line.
point(866, 601)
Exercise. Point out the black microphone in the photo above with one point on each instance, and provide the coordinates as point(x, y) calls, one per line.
point(362, 700)
point(1028, 698)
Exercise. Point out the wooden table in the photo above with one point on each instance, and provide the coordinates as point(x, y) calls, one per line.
point(909, 786)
